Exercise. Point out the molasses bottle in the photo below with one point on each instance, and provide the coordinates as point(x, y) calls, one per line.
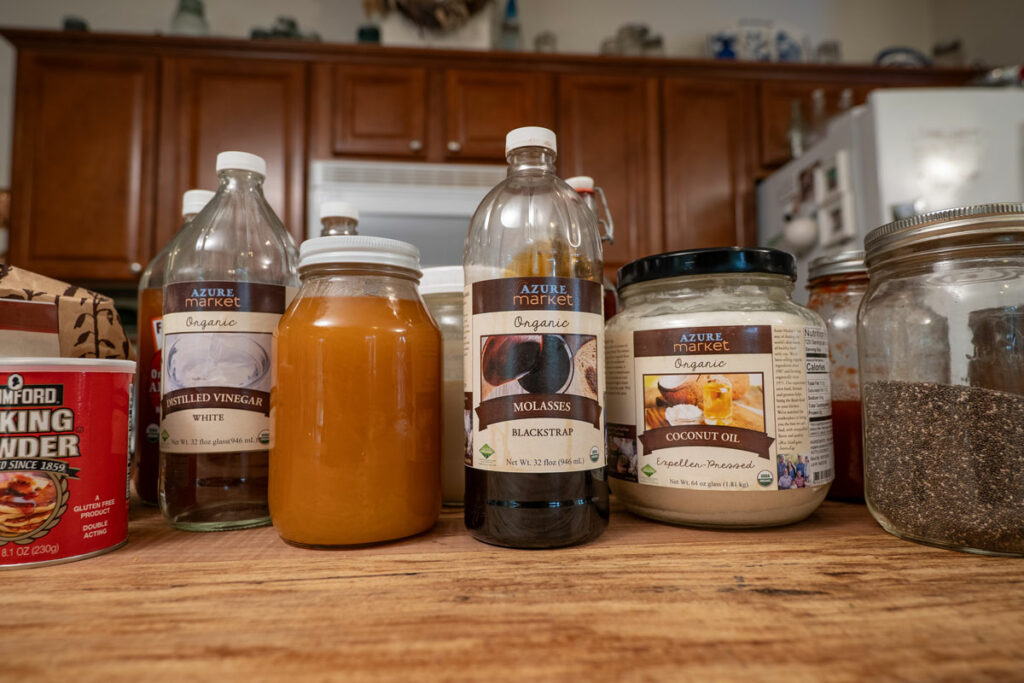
point(534, 344)
point(229, 277)
point(146, 463)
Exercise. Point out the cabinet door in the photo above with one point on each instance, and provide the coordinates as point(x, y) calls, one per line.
point(707, 170)
point(213, 105)
point(482, 106)
point(83, 166)
point(777, 113)
point(609, 129)
point(379, 110)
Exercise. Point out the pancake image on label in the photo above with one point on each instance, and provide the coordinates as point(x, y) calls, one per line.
point(209, 359)
point(26, 502)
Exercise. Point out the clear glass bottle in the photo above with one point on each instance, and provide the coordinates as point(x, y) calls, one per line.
point(442, 288)
point(338, 218)
point(534, 335)
point(356, 410)
point(146, 462)
point(941, 347)
point(229, 277)
point(837, 283)
point(510, 38)
point(585, 188)
point(718, 401)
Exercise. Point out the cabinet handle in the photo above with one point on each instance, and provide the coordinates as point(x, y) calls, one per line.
point(454, 146)
point(135, 267)
point(415, 145)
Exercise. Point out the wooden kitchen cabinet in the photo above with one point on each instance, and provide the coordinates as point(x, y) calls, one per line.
point(83, 164)
point(481, 106)
point(609, 128)
point(776, 105)
point(215, 105)
point(379, 111)
point(707, 163)
point(111, 129)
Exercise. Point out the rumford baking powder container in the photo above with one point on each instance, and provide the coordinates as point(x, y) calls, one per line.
point(64, 433)
point(718, 391)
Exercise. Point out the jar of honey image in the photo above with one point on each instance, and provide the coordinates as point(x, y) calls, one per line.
point(355, 408)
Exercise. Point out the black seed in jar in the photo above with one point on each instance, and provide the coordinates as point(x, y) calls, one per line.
point(945, 464)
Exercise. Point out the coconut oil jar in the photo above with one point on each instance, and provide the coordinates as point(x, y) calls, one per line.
point(717, 391)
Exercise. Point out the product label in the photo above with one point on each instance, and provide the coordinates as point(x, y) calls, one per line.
point(216, 378)
point(63, 464)
point(150, 361)
point(725, 408)
point(534, 389)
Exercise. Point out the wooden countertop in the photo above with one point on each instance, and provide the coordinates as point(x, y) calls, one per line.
point(832, 597)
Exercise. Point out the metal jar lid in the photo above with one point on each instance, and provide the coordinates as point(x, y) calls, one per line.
point(949, 227)
point(837, 263)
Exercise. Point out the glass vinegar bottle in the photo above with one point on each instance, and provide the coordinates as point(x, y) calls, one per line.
point(146, 461)
point(535, 475)
point(229, 277)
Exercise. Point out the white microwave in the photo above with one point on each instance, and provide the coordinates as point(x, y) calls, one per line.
point(428, 205)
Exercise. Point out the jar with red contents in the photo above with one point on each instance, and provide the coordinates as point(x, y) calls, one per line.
point(837, 283)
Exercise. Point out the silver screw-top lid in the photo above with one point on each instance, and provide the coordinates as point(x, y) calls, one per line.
point(837, 263)
point(982, 220)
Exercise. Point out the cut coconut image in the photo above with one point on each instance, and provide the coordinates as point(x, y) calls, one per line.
point(730, 399)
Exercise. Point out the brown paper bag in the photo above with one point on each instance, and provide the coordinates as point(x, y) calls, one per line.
point(43, 317)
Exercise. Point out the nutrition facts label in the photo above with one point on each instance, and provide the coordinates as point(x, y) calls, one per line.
point(819, 405)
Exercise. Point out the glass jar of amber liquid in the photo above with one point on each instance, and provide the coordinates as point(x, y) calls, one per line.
point(355, 411)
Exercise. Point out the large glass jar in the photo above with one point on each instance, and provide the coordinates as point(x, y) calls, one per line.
point(718, 391)
point(355, 410)
point(837, 285)
point(941, 337)
point(441, 288)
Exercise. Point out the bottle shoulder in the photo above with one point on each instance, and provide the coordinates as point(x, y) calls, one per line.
point(226, 246)
point(533, 226)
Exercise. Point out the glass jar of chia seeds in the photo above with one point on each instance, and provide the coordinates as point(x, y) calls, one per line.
point(837, 283)
point(941, 345)
point(717, 391)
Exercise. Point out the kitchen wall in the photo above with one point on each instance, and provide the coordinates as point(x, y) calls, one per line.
point(990, 29)
point(863, 26)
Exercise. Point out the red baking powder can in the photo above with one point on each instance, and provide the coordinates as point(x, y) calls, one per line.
point(64, 435)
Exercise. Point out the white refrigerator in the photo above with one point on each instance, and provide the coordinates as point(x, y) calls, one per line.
point(906, 151)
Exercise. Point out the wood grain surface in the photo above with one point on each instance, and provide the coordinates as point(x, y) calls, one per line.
point(832, 598)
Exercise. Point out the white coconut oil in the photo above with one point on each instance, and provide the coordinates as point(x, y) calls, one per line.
point(718, 391)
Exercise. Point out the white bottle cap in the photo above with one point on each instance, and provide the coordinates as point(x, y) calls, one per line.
point(241, 161)
point(442, 280)
point(530, 136)
point(194, 201)
point(338, 210)
point(581, 183)
point(359, 249)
